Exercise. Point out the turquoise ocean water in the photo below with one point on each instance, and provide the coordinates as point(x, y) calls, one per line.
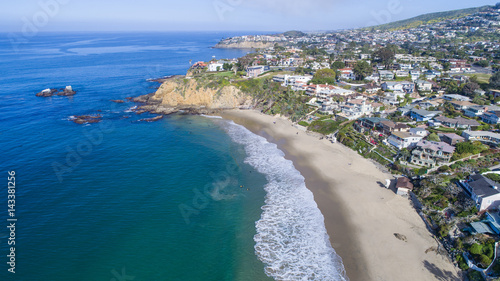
point(185, 198)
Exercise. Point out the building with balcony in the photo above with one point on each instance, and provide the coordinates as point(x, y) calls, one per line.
point(482, 136)
point(403, 139)
point(431, 154)
point(483, 191)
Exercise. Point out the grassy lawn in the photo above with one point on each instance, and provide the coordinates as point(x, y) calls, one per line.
point(481, 77)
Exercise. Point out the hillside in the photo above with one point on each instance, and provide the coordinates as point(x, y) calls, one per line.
point(429, 19)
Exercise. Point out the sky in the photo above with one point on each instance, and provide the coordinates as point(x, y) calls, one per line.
point(213, 15)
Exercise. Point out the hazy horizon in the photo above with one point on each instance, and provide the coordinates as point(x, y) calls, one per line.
point(217, 15)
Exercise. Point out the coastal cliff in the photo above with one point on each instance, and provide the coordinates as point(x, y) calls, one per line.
point(244, 45)
point(193, 96)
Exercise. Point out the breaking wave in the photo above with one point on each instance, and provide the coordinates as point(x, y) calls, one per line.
point(291, 237)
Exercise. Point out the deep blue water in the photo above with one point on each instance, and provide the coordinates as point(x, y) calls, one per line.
point(176, 199)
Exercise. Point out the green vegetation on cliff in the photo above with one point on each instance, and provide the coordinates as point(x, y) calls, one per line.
point(429, 19)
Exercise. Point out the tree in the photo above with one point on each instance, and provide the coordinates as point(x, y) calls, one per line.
point(324, 76)
point(482, 63)
point(385, 56)
point(433, 137)
point(470, 88)
point(446, 66)
point(227, 66)
point(338, 65)
point(362, 69)
point(495, 80)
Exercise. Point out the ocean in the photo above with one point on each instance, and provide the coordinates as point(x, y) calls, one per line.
point(184, 198)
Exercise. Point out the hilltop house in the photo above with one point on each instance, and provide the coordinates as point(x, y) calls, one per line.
point(347, 73)
point(419, 131)
point(424, 85)
point(403, 139)
point(388, 127)
point(451, 138)
point(461, 105)
point(431, 154)
point(393, 98)
point(457, 122)
point(483, 191)
point(482, 136)
point(422, 114)
point(215, 66)
point(254, 71)
point(456, 97)
point(492, 117)
point(403, 86)
point(386, 75)
point(475, 111)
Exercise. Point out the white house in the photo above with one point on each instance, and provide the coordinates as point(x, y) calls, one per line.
point(404, 86)
point(215, 66)
point(483, 191)
point(347, 73)
point(393, 98)
point(403, 139)
point(424, 85)
point(419, 132)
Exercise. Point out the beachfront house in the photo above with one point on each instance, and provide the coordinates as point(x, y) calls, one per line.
point(403, 139)
point(483, 191)
point(431, 153)
point(403, 186)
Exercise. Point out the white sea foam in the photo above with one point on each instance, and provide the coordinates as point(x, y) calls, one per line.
point(291, 236)
point(211, 116)
point(131, 109)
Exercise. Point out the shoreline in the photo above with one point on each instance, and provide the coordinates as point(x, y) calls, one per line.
point(361, 217)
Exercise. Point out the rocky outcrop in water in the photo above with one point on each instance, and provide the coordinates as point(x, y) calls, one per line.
point(68, 91)
point(86, 119)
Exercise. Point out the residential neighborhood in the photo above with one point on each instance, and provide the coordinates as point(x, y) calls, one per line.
point(422, 101)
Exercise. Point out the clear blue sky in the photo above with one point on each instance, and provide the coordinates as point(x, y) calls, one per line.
point(200, 15)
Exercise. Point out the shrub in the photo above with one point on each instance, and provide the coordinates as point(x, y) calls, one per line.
point(304, 123)
point(461, 262)
point(476, 249)
point(443, 168)
point(484, 260)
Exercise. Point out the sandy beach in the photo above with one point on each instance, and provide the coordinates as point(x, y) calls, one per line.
point(361, 216)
